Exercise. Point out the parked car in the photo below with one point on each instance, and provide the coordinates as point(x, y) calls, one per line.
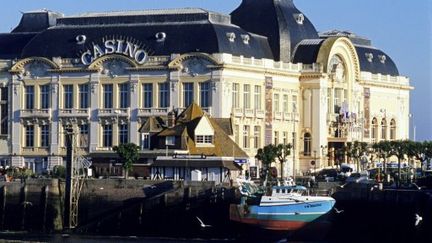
point(327, 175)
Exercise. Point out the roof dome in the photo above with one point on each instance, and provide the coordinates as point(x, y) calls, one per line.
point(290, 26)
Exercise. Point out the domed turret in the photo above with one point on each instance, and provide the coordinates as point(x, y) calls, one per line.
point(279, 20)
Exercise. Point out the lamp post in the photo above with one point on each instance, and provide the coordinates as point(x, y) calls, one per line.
point(294, 136)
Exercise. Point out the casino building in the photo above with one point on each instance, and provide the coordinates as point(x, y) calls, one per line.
point(264, 69)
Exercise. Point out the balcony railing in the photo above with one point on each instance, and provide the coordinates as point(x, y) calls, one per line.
point(238, 112)
point(278, 115)
point(40, 113)
point(145, 112)
point(74, 112)
point(249, 113)
point(260, 114)
point(35, 150)
point(121, 112)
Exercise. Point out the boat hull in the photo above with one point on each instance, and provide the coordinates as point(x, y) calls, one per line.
point(280, 217)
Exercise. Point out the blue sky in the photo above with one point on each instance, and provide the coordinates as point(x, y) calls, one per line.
point(402, 28)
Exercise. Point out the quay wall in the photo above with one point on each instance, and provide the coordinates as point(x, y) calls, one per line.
point(37, 204)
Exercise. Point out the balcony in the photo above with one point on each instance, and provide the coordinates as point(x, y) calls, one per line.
point(147, 112)
point(260, 114)
point(35, 151)
point(278, 115)
point(238, 112)
point(121, 112)
point(35, 113)
point(249, 113)
point(80, 113)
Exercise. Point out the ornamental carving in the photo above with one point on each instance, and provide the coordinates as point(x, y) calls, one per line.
point(195, 66)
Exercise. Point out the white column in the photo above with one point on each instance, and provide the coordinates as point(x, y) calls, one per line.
point(16, 127)
point(174, 81)
point(134, 105)
point(94, 104)
point(55, 126)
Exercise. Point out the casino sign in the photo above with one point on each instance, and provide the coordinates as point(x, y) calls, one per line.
point(115, 46)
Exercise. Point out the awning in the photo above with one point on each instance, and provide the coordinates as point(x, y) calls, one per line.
point(196, 163)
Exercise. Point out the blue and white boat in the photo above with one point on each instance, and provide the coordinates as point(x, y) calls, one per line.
point(288, 208)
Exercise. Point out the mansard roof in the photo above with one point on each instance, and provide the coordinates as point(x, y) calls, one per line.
point(184, 31)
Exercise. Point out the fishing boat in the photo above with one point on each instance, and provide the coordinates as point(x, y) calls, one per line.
point(288, 208)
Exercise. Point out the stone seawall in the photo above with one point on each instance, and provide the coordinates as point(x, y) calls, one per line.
point(37, 204)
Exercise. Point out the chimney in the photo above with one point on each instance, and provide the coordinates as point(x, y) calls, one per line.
point(171, 119)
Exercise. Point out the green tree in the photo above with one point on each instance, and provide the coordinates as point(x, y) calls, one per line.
point(282, 153)
point(382, 150)
point(356, 150)
point(129, 154)
point(427, 147)
point(399, 149)
point(266, 155)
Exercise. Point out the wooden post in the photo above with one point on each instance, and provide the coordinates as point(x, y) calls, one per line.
point(24, 205)
point(44, 204)
point(3, 206)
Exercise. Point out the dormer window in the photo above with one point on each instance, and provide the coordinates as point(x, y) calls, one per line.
point(204, 140)
point(369, 56)
point(299, 18)
point(231, 36)
point(170, 141)
point(382, 58)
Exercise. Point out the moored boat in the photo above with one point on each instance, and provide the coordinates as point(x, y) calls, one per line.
point(287, 208)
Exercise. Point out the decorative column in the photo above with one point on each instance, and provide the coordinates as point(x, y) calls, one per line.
point(174, 81)
point(94, 110)
point(134, 106)
point(55, 129)
point(16, 127)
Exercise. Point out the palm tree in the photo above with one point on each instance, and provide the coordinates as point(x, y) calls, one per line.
point(282, 153)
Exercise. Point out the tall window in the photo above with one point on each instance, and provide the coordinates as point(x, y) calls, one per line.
point(257, 137)
point(108, 96)
point(338, 100)
point(307, 144)
point(68, 96)
point(84, 135)
point(276, 103)
point(44, 135)
point(188, 94)
point(285, 104)
point(246, 136)
point(45, 96)
point(29, 97)
point(392, 129)
point(4, 110)
point(285, 138)
point(257, 97)
point(235, 95)
point(124, 95)
point(145, 140)
point(29, 136)
point(294, 103)
point(147, 95)
point(123, 133)
point(276, 138)
point(374, 130)
point(384, 129)
point(205, 94)
point(84, 96)
point(163, 95)
point(246, 96)
point(107, 135)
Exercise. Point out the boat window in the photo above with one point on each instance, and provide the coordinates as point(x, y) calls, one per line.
point(277, 190)
point(283, 190)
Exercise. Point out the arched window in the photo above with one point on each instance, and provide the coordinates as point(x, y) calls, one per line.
point(392, 129)
point(384, 129)
point(307, 144)
point(374, 129)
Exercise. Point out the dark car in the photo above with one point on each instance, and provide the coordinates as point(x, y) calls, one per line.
point(327, 175)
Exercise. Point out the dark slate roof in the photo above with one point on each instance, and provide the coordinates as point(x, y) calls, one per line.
point(12, 44)
point(275, 19)
point(387, 67)
point(187, 30)
point(36, 21)
point(307, 53)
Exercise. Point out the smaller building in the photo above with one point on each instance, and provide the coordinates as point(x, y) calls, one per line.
point(198, 147)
